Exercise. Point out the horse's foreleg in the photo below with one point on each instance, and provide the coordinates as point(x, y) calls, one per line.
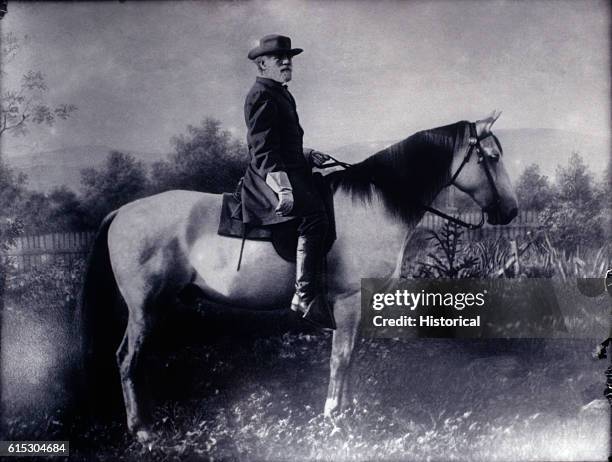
point(128, 360)
point(347, 312)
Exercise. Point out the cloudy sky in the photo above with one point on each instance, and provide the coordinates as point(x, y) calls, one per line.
point(141, 72)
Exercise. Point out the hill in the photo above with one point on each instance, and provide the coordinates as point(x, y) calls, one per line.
point(46, 170)
point(546, 147)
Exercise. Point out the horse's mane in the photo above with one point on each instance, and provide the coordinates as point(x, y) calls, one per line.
point(405, 175)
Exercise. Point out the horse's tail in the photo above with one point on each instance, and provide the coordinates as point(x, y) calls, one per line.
point(102, 323)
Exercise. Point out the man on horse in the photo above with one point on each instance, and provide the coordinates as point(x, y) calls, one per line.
point(278, 185)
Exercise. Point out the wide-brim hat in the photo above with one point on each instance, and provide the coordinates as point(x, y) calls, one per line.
point(274, 45)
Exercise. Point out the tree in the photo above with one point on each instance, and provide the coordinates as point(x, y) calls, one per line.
point(575, 216)
point(205, 159)
point(533, 189)
point(163, 177)
point(10, 45)
point(575, 182)
point(120, 180)
point(58, 211)
point(11, 190)
point(19, 108)
point(67, 213)
point(35, 212)
point(27, 104)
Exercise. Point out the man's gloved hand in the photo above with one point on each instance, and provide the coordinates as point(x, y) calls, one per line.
point(318, 158)
point(279, 182)
point(285, 203)
point(315, 158)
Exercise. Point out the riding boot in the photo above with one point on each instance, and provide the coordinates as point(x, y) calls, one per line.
point(310, 298)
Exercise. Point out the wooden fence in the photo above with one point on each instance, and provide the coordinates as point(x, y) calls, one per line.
point(32, 251)
point(524, 224)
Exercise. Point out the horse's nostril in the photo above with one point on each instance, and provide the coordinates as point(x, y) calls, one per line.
point(513, 213)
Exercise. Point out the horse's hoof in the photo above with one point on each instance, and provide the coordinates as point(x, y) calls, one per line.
point(331, 407)
point(335, 423)
point(145, 437)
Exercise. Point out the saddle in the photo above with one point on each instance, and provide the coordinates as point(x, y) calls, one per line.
point(284, 235)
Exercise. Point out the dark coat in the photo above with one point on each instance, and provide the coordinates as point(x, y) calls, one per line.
point(275, 144)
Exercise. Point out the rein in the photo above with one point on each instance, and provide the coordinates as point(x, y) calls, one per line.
point(474, 146)
point(335, 163)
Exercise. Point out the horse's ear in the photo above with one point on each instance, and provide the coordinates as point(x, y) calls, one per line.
point(488, 122)
point(495, 115)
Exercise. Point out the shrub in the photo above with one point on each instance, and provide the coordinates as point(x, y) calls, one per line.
point(54, 283)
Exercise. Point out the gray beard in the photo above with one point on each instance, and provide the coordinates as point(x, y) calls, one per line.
point(286, 76)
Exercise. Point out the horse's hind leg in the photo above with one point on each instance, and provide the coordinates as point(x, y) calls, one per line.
point(347, 312)
point(129, 357)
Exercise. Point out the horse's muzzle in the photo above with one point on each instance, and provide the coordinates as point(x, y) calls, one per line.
point(498, 216)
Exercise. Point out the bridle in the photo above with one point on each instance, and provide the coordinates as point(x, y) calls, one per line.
point(482, 158)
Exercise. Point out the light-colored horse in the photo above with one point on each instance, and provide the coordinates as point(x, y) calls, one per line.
point(158, 245)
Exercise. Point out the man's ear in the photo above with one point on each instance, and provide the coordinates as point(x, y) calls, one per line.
point(261, 64)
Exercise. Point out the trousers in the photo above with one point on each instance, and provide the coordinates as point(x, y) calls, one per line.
point(314, 224)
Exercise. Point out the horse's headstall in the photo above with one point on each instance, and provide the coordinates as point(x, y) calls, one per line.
point(488, 146)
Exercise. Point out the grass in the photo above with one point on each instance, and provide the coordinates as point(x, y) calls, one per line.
point(260, 396)
point(427, 399)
